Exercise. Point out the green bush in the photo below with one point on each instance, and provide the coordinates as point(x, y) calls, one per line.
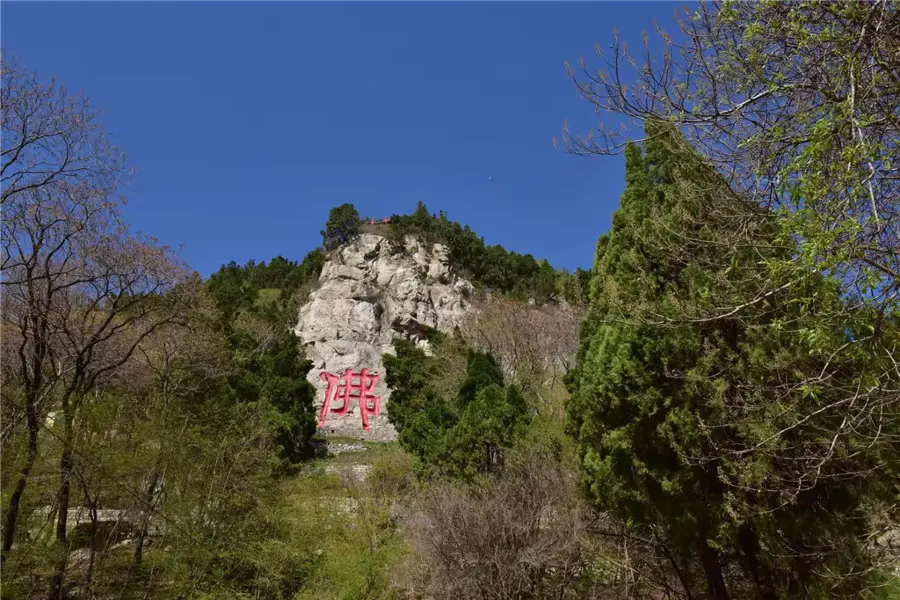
point(459, 434)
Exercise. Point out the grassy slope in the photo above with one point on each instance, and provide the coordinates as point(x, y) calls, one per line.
point(346, 523)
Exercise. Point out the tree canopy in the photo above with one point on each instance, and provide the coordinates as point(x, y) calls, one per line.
point(258, 304)
point(342, 226)
point(794, 104)
point(726, 436)
point(463, 429)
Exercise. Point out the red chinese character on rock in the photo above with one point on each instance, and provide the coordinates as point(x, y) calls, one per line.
point(341, 387)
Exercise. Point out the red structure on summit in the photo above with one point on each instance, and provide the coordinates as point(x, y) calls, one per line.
point(341, 387)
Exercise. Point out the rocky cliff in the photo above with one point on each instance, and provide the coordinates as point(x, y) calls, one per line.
point(371, 292)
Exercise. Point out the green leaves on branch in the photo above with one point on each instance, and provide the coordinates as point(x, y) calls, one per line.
point(795, 106)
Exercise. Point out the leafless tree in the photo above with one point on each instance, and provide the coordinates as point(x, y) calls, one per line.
point(523, 534)
point(78, 288)
point(83, 293)
point(105, 332)
point(536, 345)
point(264, 333)
point(50, 136)
point(499, 541)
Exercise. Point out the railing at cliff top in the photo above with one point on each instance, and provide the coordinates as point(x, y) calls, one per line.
point(376, 227)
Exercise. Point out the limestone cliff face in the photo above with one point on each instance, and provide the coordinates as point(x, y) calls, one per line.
point(371, 292)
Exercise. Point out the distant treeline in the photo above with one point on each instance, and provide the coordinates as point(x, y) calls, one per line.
point(492, 268)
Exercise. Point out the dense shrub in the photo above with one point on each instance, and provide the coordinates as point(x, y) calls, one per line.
point(258, 306)
point(461, 433)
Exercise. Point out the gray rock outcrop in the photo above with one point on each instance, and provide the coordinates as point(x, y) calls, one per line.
point(371, 292)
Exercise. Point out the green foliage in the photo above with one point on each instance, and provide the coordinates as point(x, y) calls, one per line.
point(458, 434)
point(218, 490)
point(482, 371)
point(520, 276)
point(342, 226)
point(238, 287)
point(277, 378)
point(693, 427)
point(257, 302)
point(345, 525)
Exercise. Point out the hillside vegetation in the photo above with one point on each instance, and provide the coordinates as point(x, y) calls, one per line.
point(712, 413)
point(492, 268)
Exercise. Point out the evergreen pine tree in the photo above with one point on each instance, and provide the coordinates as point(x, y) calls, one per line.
point(342, 225)
point(694, 427)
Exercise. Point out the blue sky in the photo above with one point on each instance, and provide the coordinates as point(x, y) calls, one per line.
point(247, 122)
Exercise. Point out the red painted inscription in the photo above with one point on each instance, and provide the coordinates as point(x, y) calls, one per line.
point(348, 387)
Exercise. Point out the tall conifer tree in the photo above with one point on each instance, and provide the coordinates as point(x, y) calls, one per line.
point(707, 430)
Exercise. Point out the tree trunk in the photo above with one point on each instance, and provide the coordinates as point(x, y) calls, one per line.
point(683, 574)
point(148, 503)
point(62, 520)
point(12, 513)
point(759, 573)
point(711, 493)
point(92, 502)
point(712, 568)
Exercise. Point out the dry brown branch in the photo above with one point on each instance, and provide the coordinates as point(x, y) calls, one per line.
point(535, 345)
point(523, 534)
point(82, 292)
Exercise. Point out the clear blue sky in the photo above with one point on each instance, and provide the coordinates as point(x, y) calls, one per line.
point(248, 121)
